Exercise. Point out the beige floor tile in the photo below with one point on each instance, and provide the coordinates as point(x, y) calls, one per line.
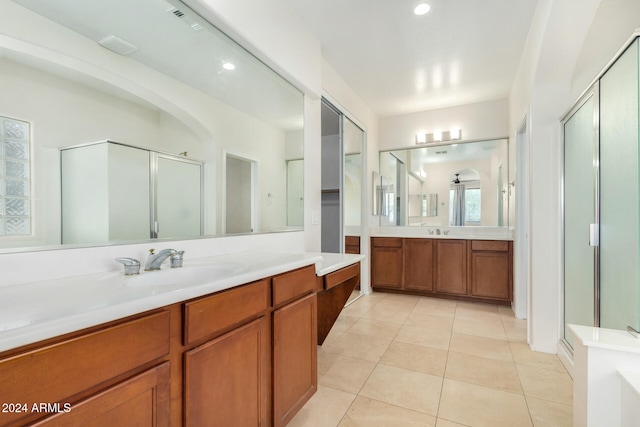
point(344, 322)
point(523, 355)
point(391, 310)
point(506, 311)
point(550, 414)
point(516, 329)
point(359, 308)
point(481, 346)
point(482, 327)
point(546, 384)
point(408, 389)
point(358, 346)
point(365, 412)
point(482, 371)
point(325, 409)
point(471, 310)
point(332, 337)
point(387, 313)
point(342, 372)
point(415, 358)
point(427, 337)
point(424, 319)
point(478, 406)
point(446, 423)
point(436, 307)
point(374, 328)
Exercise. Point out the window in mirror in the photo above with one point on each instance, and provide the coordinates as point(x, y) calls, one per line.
point(15, 204)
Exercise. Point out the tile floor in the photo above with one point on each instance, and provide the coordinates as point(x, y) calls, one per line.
point(397, 360)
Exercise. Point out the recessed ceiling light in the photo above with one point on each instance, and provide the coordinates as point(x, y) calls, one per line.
point(422, 9)
point(228, 66)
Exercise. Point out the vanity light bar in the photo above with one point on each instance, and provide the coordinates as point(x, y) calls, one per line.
point(438, 136)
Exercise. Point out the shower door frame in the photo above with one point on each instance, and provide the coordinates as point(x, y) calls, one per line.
point(592, 90)
point(591, 94)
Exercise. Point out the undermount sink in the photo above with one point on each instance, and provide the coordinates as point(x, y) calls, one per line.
point(193, 274)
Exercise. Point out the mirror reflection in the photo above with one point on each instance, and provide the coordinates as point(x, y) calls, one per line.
point(209, 138)
point(461, 184)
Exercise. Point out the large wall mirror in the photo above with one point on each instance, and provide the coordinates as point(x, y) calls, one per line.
point(459, 184)
point(159, 108)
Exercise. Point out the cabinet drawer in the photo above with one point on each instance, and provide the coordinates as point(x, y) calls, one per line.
point(389, 242)
point(294, 284)
point(60, 371)
point(212, 315)
point(341, 276)
point(490, 245)
point(352, 240)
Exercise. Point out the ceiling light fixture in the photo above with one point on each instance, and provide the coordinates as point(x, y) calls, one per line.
point(228, 66)
point(455, 134)
point(422, 9)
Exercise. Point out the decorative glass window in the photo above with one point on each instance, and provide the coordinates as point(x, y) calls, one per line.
point(15, 203)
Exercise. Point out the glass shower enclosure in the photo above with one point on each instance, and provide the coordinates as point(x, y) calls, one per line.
point(601, 201)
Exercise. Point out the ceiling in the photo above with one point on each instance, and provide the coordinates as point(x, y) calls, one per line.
point(461, 52)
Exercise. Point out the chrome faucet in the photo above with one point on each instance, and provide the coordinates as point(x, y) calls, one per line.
point(438, 231)
point(155, 260)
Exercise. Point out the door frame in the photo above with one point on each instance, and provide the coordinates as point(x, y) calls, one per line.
point(255, 189)
point(522, 242)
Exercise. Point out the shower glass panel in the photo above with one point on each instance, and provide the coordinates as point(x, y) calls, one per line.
point(352, 140)
point(579, 213)
point(178, 198)
point(619, 193)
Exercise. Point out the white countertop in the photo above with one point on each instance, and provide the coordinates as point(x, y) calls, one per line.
point(333, 262)
point(40, 310)
point(430, 232)
point(611, 339)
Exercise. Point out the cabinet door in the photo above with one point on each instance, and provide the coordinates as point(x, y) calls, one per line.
point(294, 358)
point(386, 263)
point(491, 269)
point(227, 380)
point(418, 264)
point(451, 266)
point(143, 400)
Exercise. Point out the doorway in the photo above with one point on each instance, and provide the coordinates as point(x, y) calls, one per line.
point(240, 193)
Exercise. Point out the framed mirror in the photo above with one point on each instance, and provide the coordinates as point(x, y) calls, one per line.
point(76, 73)
point(457, 184)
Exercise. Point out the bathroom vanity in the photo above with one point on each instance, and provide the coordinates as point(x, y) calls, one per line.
point(446, 266)
point(238, 348)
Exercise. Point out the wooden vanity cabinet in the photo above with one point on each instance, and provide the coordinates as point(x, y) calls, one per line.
point(227, 379)
point(386, 262)
point(334, 290)
point(240, 357)
point(419, 269)
point(451, 270)
point(472, 270)
point(352, 244)
point(143, 400)
point(491, 269)
point(104, 374)
point(295, 374)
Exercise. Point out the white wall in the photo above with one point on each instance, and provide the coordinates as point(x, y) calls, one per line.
point(481, 121)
